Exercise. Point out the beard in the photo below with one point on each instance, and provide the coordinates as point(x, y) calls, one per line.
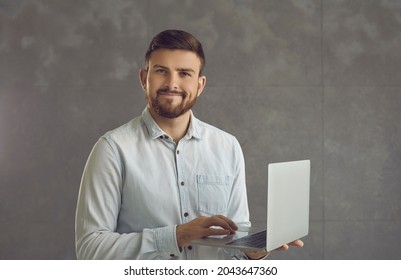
point(166, 109)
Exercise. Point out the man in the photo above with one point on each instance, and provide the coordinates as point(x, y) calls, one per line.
point(153, 185)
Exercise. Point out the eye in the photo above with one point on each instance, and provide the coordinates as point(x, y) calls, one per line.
point(185, 74)
point(161, 71)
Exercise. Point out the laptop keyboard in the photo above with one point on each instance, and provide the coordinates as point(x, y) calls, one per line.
point(256, 240)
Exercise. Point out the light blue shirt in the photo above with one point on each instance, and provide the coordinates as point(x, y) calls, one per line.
point(138, 185)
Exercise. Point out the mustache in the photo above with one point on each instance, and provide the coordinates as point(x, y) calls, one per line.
point(168, 90)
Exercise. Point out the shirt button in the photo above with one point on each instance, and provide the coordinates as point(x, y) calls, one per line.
point(178, 152)
point(182, 183)
point(186, 214)
point(189, 247)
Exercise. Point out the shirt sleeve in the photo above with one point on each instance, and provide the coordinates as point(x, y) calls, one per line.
point(238, 209)
point(98, 206)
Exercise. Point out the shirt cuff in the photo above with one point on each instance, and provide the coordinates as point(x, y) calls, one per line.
point(262, 258)
point(166, 242)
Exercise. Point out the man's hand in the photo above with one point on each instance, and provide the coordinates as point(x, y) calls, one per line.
point(255, 255)
point(203, 227)
point(296, 243)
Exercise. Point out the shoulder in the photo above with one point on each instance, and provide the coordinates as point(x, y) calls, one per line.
point(129, 130)
point(213, 133)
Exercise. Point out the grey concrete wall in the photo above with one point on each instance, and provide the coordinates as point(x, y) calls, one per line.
point(318, 79)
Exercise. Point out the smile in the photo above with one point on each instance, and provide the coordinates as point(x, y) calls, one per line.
point(170, 93)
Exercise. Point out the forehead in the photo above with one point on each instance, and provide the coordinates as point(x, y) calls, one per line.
point(175, 59)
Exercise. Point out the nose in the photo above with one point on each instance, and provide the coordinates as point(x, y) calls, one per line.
point(172, 81)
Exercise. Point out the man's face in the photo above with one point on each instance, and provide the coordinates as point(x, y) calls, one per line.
point(172, 82)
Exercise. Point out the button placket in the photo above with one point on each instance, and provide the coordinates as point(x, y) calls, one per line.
point(182, 186)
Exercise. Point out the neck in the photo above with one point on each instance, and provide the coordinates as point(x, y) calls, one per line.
point(176, 127)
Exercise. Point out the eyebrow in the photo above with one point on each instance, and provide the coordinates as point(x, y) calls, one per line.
point(177, 69)
point(160, 66)
point(186, 70)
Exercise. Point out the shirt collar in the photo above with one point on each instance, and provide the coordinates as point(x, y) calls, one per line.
point(155, 131)
point(194, 129)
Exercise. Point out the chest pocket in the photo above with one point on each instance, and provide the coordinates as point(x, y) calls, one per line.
point(213, 193)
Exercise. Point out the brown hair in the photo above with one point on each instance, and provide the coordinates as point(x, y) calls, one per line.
point(176, 40)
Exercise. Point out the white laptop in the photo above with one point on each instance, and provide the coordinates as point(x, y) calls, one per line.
point(288, 190)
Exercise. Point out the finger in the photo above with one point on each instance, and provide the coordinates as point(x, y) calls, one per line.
point(216, 222)
point(221, 221)
point(283, 248)
point(215, 231)
point(297, 243)
point(228, 221)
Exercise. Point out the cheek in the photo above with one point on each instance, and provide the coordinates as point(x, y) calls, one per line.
point(192, 89)
point(154, 85)
point(155, 80)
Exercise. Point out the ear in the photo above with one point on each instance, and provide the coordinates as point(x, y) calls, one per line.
point(201, 84)
point(143, 74)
